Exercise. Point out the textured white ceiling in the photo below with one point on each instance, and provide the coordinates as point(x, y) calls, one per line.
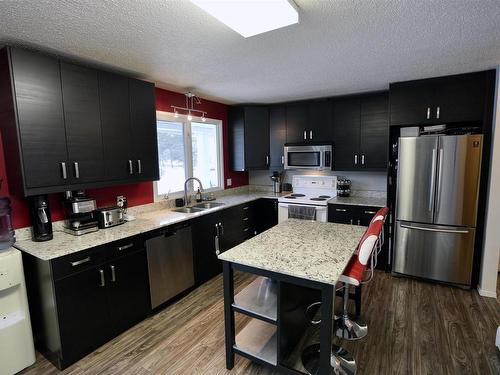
point(338, 47)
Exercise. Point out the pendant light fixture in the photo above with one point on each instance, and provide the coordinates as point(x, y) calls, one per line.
point(191, 100)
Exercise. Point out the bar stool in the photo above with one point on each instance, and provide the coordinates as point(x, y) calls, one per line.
point(349, 328)
point(341, 360)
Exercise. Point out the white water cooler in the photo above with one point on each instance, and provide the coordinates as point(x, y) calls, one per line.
point(16, 339)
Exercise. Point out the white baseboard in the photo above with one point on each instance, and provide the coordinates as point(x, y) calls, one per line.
point(487, 293)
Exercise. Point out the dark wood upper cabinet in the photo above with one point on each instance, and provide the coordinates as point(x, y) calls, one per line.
point(457, 98)
point(296, 122)
point(319, 120)
point(360, 132)
point(66, 126)
point(277, 135)
point(80, 89)
point(143, 129)
point(116, 135)
point(36, 83)
point(249, 137)
point(374, 131)
point(345, 133)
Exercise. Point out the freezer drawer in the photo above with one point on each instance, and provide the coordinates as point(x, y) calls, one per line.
point(435, 252)
point(170, 264)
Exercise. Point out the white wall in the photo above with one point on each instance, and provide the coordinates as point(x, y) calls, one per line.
point(360, 180)
point(489, 265)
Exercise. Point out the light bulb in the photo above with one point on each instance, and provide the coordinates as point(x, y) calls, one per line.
point(189, 116)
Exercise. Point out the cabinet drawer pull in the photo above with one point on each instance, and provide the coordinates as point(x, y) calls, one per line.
point(139, 166)
point(113, 274)
point(438, 110)
point(125, 247)
point(130, 167)
point(81, 261)
point(64, 172)
point(101, 275)
point(245, 218)
point(340, 210)
point(77, 169)
point(245, 208)
point(246, 229)
point(370, 212)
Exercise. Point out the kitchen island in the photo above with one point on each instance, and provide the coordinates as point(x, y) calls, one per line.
point(297, 262)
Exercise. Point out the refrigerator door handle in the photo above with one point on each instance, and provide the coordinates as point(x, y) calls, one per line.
point(457, 231)
point(433, 179)
point(440, 177)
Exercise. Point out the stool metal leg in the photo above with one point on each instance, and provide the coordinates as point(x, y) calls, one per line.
point(341, 360)
point(348, 328)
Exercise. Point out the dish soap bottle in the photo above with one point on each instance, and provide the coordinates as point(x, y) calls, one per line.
point(198, 195)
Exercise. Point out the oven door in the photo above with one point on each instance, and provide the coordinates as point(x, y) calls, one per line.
point(321, 212)
point(308, 157)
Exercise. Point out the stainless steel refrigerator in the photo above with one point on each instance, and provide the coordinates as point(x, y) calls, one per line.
point(436, 206)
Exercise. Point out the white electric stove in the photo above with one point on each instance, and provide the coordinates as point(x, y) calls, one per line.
point(309, 191)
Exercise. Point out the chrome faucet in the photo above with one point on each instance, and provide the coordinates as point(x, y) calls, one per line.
point(185, 189)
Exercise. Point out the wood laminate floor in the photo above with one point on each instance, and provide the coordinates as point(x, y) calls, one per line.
point(414, 328)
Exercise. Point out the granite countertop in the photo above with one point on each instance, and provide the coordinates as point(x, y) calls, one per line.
point(360, 201)
point(64, 244)
point(306, 249)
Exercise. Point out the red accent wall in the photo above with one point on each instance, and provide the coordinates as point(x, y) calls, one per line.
point(137, 194)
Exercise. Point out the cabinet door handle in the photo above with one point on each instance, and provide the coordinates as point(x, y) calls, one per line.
point(63, 170)
point(101, 275)
point(221, 229)
point(81, 261)
point(351, 221)
point(310, 134)
point(362, 159)
point(359, 222)
point(246, 229)
point(245, 219)
point(130, 167)
point(125, 247)
point(77, 169)
point(428, 113)
point(370, 212)
point(113, 274)
point(305, 134)
point(267, 160)
point(282, 160)
point(245, 208)
point(340, 210)
point(217, 250)
point(139, 166)
point(438, 110)
point(355, 159)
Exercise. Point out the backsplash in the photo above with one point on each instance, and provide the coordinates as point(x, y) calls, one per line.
point(361, 181)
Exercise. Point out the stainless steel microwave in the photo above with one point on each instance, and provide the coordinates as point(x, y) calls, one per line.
point(317, 157)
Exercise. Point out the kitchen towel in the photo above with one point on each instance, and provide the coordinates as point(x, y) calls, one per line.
point(301, 212)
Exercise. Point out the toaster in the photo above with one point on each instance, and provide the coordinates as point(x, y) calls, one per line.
point(109, 217)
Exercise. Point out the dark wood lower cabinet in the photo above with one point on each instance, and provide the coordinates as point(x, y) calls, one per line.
point(360, 215)
point(81, 301)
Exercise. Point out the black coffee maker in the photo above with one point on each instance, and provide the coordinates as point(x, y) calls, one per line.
point(41, 223)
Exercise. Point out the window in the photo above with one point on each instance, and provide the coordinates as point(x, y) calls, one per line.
point(186, 149)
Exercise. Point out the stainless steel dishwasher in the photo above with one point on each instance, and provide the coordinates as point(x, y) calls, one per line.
point(170, 263)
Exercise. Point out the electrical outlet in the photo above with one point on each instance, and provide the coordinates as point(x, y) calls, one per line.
point(229, 182)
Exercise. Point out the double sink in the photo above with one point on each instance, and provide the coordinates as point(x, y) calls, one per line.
point(198, 207)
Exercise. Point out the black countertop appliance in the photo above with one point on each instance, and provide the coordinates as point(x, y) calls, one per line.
point(41, 223)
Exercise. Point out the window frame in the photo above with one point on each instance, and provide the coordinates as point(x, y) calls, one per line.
point(188, 151)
